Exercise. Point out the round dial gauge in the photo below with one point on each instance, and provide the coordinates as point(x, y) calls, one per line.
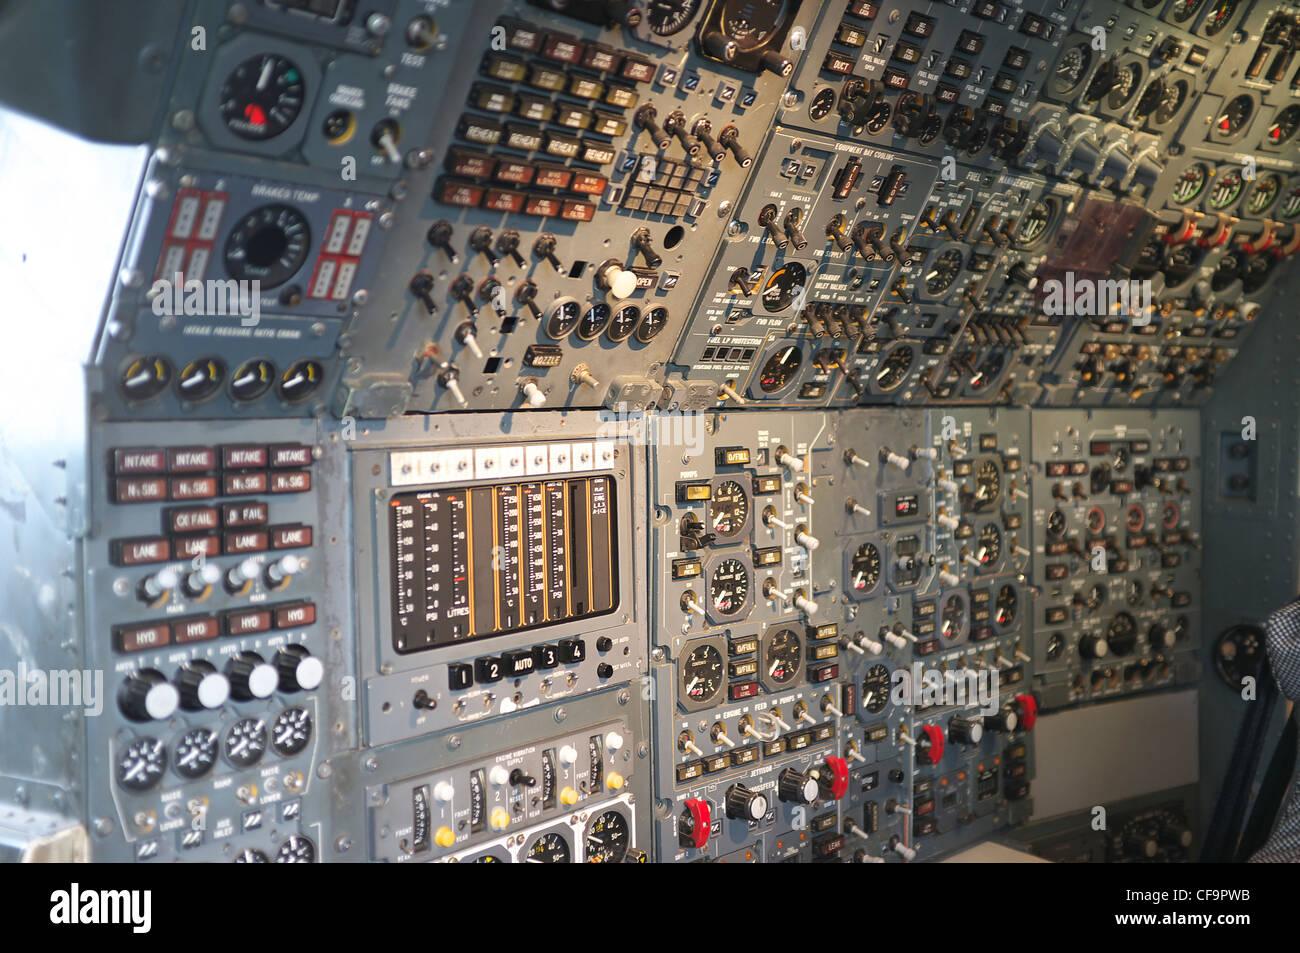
point(291, 731)
point(300, 380)
point(893, 370)
point(782, 657)
point(562, 318)
point(944, 272)
point(702, 674)
point(1234, 117)
point(779, 370)
point(1056, 524)
point(952, 623)
point(875, 689)
point(728, 587)
point(784, 286)
point(252, 379)
point(200, 379)
point(1070, 69)
point(989, 547)
point(1126, 84)
point(878, 117)
point(821, 105)
point(146, 377)
point(1121, 634)
point(625, 321)
point(753, 23)
point(196, 752)
point(1184, 10)
point(262, 97)
point(864, 569)
point(140, 764)
point(251, 855)
point(728, 509)
point(246, 742)
point(988, 484)
point(1191, 184)
point(1007, 606)
point(296, 850)
point(1034, 223)
point(1218, 16)
point(594, 321)
point(1226, 190)
point(268, 245)
point(655, 320)
point(549, 848)
point(667, 17)
point(608, 838)
point(1263, 193)
point(1284, 126)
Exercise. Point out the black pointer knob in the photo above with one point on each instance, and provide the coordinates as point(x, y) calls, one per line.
point(422, 287)
point(439, 237)
point(481, 241)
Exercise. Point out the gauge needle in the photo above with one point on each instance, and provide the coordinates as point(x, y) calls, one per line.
point(772, 671)
point(858, 581)
point(135, 771)
point(265, 76)
point(691, 687)
point(721, 602)
point(189, 756)
point(869, 698)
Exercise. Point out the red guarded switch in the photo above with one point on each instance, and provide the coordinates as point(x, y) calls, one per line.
point(929, 748)
point(1028, 711)
point(693, 825)
point(834, 777)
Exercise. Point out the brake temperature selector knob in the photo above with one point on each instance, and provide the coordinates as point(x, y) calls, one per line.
point(833, 777)
point(1026, 709)
point(965, 731)
point(251, 676)
point(929, 746)
point(202, 686)
point(299, 670)
point(693, 823)
point(744, 804)
point(1004, 720)
point(146, 695)
point(797, 787)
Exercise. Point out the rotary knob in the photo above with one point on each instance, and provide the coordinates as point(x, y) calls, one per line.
point(146, 695)
point(201, 686)
point(298, 669)
point(1093, 647)
point(1026, 709)
point(618, 281)
point(795, 787)
point(1176, 835)
point(693, 824)
point(965, 731)
point(251, 676)
point(1141, 844)
point(744, 804)
point(929, 746)
point(1005, 720)
point(833, 777)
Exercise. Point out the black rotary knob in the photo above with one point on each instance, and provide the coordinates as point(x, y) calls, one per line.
point(146, 695)
point(796, 787)
point(201, 686)
point(1093, 647)
point(1176, 835)
point(298, 669)
point(1004, 720)
point(965, 731)
point(744, 804)
point(1141, 844)
point(251, 677)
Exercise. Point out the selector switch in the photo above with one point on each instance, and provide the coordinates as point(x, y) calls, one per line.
point(201, 686)
point(146, 695)
point(744, 804)
point(298, 669)
point(251, 676)
point(796, 787)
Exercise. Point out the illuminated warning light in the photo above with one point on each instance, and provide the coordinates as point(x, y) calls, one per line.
point(255, 114)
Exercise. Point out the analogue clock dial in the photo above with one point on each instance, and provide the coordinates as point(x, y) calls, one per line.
point(624, 323)
point(988, 548)
point(952, 623)
point(893, 370)
point(593, 321)
point(988, 484)
point(668, 17)
point(562, 319)
point(1007, 606)
point(944, 272)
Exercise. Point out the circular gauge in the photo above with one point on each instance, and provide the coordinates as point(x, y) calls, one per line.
point(252, 379)
point(1236, 114)
point(1034, 223)
point(782, 657)
point(1121, 634)
point(1133, 592)
point(291, 731)
point(1191, 184)
point(196, 752)
point(728, 509)
point(784, 286)
point(876, 685)
point(667, 17)
point(594, 321)
point(246, 742)
point(141, 763)
point(1238, 654)
point(300, 381)
point(1071, 69)
point(1007, 606)
point(821, 105)
point(779, 370)
point(893, 370)
point(608, 838)
point(1135, 518)
point(146, 377)
point(655, 320)
point(943, 272)
point(296, 850)
point(752, 23)
point(728, 587)
point(262, 97)
point(1150, 99)
point(987, 373)
point(1184, 10)
point(549, 848)
point(486, 859)
point(1054, 646)
point(1284, 126)
point(990, 545)
point(625, 321)
point(200, 379)
point(952, 622)
point(562, 318)
point(1225, 190)
point(701, 674)
point(1056, 524)
point(1290, 206)
point(878, 117)
point(1095, 520)
point(864, 569)
point(1262, 194)
point(1127, 80)
point(251, 855)
point(1218, 16)
point(988, 484)
point(268, 245)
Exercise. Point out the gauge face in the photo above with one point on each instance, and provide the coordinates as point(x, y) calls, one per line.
point(988, 484)
point(550, 848)
point(1284, 126)
point(200, 379)
point(146, 377)
point(752, 23)
point(1226, 190)
point(608, 838)
point(989, 549)
point(246, 742)
point(1070, 69)
point(1121, 634)
point(1034, 223)
point(296, 850)
point(291, 731)
point(1007, 606)
point(821, 105)
point(864, 569)
point(1218, 16)
point(1184, 10)
point(562, 319)
point(594, 321)
point(268, 245)
point(251, 855)
point(252, 379)
point(624, 323)
point(728, 509)
point(1234, 117)
point(728, 587)
point(262, 97)
point(943, 272)
point(779, 370)
point(952, 624)
point(667, 17)
point(702, 674)
point(655, 320)
point(784, 286)
point(1126, 84)
point(196, 752)
point(878, 117)
point(140, 764)
point(893, 370)
point(875, 689)
point(1191, 184)
point(300, 381)
point(1263, 193)
point(1056, 524)
point(782, 657)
